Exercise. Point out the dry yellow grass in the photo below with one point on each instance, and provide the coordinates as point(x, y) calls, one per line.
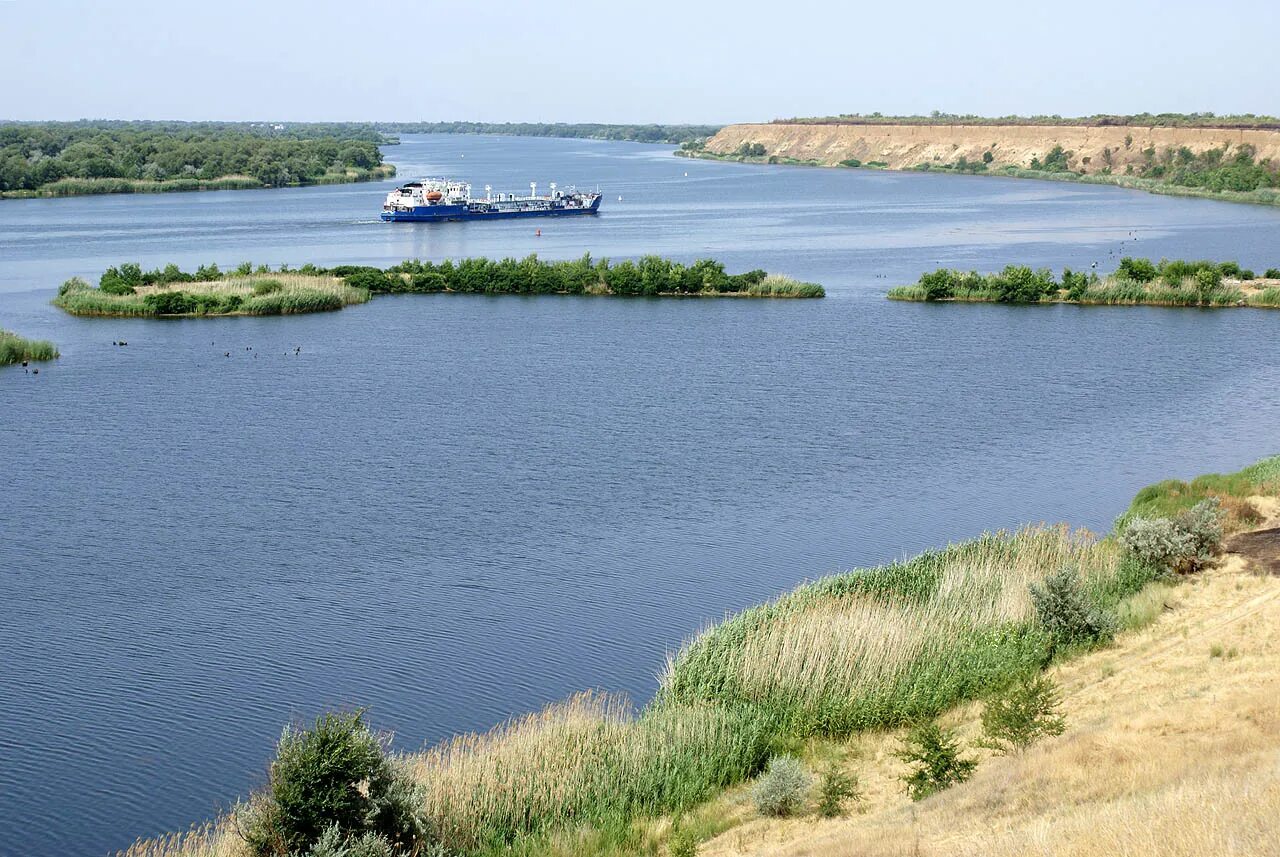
point(1172, 748)
point(243, 286)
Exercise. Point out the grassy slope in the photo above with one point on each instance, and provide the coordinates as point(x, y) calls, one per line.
point(1171, 749)
point(585, 778)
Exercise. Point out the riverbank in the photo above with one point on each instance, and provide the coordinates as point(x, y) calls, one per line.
point(128, 291)
point(808, 675)
point(19, 349)
point(1137, 282)
point(84, 187)
point(1235, 164)
point(59, 159)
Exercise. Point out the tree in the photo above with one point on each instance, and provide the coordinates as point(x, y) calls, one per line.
point(934, 754)
point(1022, 715)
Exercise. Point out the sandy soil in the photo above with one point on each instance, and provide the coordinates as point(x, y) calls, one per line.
point(905, 146)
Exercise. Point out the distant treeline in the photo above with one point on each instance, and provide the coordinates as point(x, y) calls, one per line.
point(1171, 120)
point(587, 130)
point(63, 158)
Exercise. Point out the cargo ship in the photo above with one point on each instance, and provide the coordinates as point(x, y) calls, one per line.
point(430, 200)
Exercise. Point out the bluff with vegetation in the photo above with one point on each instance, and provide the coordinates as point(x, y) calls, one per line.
point(69, 158)
point(882, 648)
point(1169, 282)
point(1237, 162)
point(128, 290)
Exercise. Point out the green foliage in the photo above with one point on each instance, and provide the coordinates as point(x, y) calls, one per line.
point(333, 787)
point(851, 162)
point(1138, 270)
point(834, 789)
point(1064, 610)
point(75, 284)
point(751, 150)
point(683, 842)
point(934, 754)
point(782, 789)
point(1181, 544)
point(1024, 713)
point(267, 287)
point(61, 158)
point(18, 349)
point(1272, 273)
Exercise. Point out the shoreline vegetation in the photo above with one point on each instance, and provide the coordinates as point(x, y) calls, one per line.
point(128, 291)
point(57, 159)
point(885, 648)
point(1137, 282)
point(19, 349)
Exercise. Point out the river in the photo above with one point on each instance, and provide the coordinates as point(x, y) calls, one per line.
point(455, 509)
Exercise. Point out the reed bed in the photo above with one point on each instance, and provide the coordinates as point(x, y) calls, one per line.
point(1169, 498)
point(589, 759)
point(277, 293)
point(779, 286)
point(890, 645)
point(16, 349)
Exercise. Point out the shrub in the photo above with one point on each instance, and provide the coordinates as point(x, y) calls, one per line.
point(333, 788)
point(938, 285)
point(835, 788)
point(782, 788)
point(1203, 523)
point(851, 162)
point(1138, 270)
point(75, 284)
point(935, 756)
point(170, 303)
point(1064, 611)
point(1157, 542)
point(266, 287)
point(1272, 273)
point(1207, 281)
point(683, 842)
point(1022, 715)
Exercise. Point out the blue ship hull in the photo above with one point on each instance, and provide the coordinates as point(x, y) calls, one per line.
point(481, 211)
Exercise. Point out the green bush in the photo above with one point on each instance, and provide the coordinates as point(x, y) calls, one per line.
point(938, 285)
point(75, 284)
point(782, 789)
point(170, 303)
point(1026, 712)
point(266, 287)
point(683, 842)
point(333, 788)
point(1159, 543)
point(1138, 270)
point(1272, 273)
point(934, 754)
point(835, 788)
point(1063, 609)
point(851, 162)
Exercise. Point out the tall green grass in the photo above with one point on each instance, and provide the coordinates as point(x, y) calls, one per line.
point(590, 759)
point(779, 286)
point(891, 645)
point(16, 349)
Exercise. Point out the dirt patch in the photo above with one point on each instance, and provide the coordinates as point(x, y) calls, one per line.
point(1261, 548)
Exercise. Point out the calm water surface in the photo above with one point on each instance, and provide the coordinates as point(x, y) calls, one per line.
point(453, 509)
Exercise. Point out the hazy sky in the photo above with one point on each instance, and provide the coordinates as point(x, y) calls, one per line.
point(609, 61)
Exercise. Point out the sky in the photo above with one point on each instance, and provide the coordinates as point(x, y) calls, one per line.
point(702, 61)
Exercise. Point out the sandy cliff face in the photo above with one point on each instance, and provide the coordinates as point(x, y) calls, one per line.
point(906, 146)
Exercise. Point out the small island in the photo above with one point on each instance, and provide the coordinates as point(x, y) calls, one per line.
point(1169, 282)
point(129, 291)
point(19, 349)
